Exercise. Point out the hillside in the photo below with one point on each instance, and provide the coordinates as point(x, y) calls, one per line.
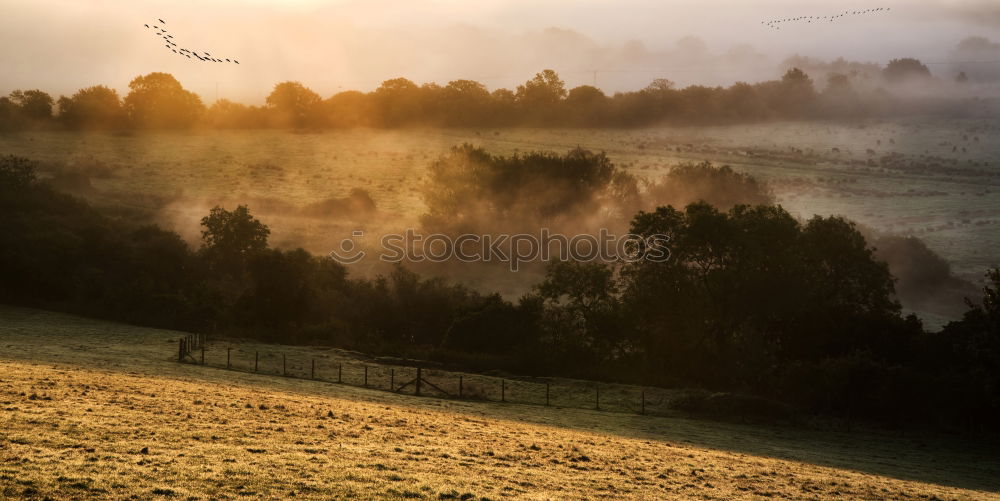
point(91, 409)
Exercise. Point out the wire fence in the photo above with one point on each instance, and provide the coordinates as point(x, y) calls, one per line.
point(424, 381)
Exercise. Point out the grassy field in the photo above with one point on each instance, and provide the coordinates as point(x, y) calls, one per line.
point(92, 409)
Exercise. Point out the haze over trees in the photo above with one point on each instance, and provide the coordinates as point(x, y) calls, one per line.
point(96, 107)
point(158, 101)
point(845, 89)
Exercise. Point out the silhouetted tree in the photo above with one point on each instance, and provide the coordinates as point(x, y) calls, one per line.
point(583, 312)
point(742, 102)
point(586, 105)
point(907, 68)
point(32, 104)
point(797, 95)
point(467, 103)
point(351, 109)
point(293, 104)
point(8, 113)
point(158, 100)
point(751, 290)
point(398, 102)
point(96, 107)
point(472, 190)
point(225, 114)
point(230, 238)
point(539, 96)
point(662, 100)
point(721, 187)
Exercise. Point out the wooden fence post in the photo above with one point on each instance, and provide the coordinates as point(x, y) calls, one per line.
point(202, 353)
point(256, 358)
point(284, 366)
point(460, 381)
point(366, 376)
point(503, 390)
point(312, 372)
point(392, 379)
point(228, 357)
point(420, 377)
point(180, 350)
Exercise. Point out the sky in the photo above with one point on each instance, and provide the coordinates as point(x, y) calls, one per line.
point(63, 45)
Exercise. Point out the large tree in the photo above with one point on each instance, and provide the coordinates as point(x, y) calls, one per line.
point(749, 291)
point(158, 100)
point(399, 102)
point(466, 102)
point(231, 238)
point(905, 69)
point(294, 104)
point(92, 107)
point(32, 104)
point(539, 96)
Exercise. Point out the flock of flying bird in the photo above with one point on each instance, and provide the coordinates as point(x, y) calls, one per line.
point(775, 24)
point(161, 32)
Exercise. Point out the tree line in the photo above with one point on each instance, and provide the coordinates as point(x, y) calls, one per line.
point(752, 301)
point(159, 101)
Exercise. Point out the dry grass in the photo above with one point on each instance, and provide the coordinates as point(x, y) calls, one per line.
point(91, 409)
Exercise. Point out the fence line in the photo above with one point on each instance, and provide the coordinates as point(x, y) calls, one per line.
point(420, 381)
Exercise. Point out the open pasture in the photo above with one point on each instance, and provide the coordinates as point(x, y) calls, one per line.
point(91, 409)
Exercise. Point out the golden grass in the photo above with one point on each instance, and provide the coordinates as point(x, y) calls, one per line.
point(92, 409)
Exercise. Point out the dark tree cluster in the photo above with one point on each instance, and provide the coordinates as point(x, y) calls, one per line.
point(752, 301)
point(159, 101)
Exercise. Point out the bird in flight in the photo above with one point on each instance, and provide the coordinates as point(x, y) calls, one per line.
point(176, 49)
point(775, 24)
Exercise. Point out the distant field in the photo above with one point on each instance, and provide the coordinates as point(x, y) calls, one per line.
point(941, 179)
point(91, 409)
